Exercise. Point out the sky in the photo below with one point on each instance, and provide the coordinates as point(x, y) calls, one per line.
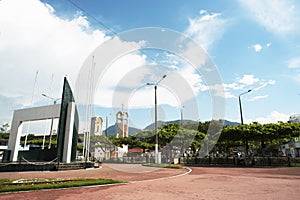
point(252, 45)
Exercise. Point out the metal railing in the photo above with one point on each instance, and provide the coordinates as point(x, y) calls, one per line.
point(233, 161)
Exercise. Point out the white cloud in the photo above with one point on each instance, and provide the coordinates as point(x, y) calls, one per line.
point(294, 63)
point(248, 80)
point(127, 68)
point(220, 90)
point(130, 87)
point(279, 17)
point(258, 97)
point(193, 79)
point(227, 90)
point(224, 94)
point(263, 84)
point(33, 38)
point(273, 117)
point(81, 21)
point(207, 28)
point(203, 12)
point(7, 104)
point(257, 47)
point(296, 77)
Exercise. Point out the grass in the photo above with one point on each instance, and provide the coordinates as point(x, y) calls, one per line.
point(155, 165)
point(164, 166)
point(174, 166)
point(7, 185)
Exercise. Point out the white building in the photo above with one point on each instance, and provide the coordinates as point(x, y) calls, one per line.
point(122, 124)
point(295, 118)
point(96, 126)
point(96, 129)
point(293, 147)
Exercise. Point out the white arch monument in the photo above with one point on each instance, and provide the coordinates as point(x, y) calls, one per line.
point(67, 130)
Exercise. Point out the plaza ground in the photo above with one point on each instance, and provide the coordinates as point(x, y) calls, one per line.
point(157, 183)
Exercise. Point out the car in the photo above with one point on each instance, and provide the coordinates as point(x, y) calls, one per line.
point(239, 157)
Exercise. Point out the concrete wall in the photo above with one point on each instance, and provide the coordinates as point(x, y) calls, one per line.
point(29, 114)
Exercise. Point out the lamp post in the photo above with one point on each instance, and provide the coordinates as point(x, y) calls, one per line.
point(242, 121)
point(54, 99)
point(106, 125)
point(181, 116)
point(51, 127)
point(155, 115)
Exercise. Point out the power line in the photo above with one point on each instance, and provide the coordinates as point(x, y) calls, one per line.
point(102, 24)
point(91, 16)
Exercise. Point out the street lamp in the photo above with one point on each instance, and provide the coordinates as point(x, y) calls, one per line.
point(181, 116)
point(155, 115)
point(54, 99)
point(51, 127)
point(242, 121)
point(106, 121)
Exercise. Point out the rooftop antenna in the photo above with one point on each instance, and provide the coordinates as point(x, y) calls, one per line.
point(123, 120)
point(89, 106)
point(31, 103)
point(46, 124)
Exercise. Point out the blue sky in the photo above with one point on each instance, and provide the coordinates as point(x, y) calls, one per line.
point(254, 45)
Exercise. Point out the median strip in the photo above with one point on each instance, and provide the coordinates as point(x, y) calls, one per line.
point(7, 185)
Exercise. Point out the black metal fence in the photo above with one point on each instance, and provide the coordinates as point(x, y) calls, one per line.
point(42, 166)
point(233, 161)
point(130, 160)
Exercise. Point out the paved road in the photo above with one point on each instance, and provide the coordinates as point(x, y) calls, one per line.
point(201, 183)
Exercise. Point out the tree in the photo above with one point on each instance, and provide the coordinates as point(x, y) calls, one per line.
point(147, 136)
point(4, 132)
point(101, 141)
point(5, 128)
point(268, 135)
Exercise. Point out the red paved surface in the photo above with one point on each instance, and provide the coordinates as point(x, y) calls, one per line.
point(126, 172)
point(201, 183)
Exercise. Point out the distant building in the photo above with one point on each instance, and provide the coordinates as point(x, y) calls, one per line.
point(96, 126)
point(294, 118)
point(293, 147)
point(97, 151)
point(122, 151)
point(122, 124)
